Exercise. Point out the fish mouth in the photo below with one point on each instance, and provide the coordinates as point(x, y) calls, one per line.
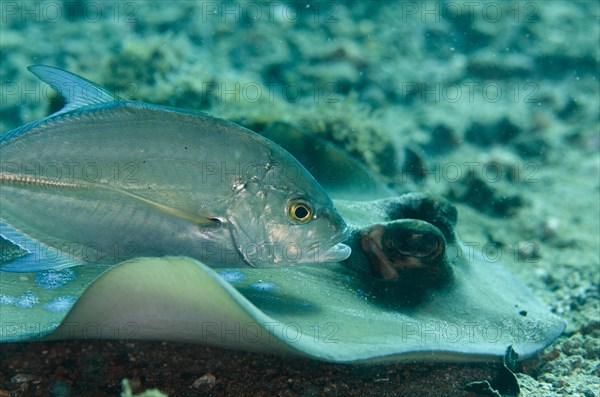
point(337, 253)
point(329, 251)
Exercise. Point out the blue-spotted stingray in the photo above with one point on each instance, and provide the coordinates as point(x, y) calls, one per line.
point(406, 292)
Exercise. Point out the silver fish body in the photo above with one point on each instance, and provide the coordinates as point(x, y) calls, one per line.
point(104, 181)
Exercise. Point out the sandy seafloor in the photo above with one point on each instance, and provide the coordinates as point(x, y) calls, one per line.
point(510, 86)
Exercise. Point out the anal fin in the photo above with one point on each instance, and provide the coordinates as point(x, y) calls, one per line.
point(39, 256)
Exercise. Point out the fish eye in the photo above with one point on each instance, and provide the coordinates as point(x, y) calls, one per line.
point(299, 211)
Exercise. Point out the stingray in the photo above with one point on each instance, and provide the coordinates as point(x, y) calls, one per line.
point(409, 291)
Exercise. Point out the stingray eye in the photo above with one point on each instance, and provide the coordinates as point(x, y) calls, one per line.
point(299, 211)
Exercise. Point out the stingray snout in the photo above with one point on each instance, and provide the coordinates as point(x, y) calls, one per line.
point(406, 248)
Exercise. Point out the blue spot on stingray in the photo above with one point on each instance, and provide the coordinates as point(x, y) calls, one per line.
point(232, 276)
point(7, 299)
point(26, 301)
point(362, 294)
point(60, 304)
point(51, 279)
point(264, 286)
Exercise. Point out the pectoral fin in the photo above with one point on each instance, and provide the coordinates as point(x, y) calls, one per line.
point(49, 246)
point(202, 218)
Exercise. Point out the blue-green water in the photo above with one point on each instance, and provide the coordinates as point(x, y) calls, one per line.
point(492, 105)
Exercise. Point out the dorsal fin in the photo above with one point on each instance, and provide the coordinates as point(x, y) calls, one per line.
point(77, 91)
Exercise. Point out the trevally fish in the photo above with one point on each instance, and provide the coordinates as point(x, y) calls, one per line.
point(105, 180)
